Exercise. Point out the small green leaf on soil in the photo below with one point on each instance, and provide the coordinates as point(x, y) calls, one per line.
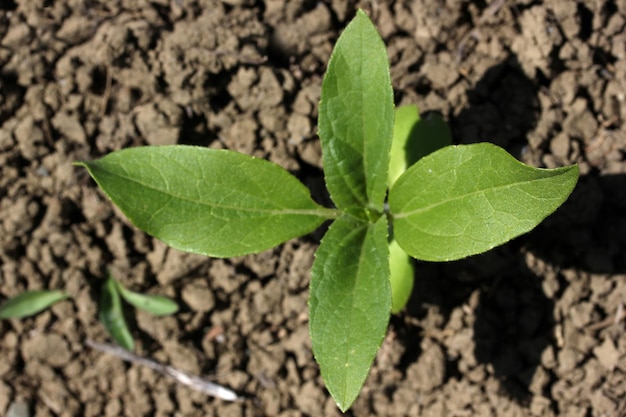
point(112, 315)
point(29, 303)
point(153, 304)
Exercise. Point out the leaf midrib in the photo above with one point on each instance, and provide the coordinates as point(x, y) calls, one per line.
point(346, 356)
point(402, 215)
point(321, 212)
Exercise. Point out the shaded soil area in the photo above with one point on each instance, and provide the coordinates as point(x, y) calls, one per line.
point(533, 328)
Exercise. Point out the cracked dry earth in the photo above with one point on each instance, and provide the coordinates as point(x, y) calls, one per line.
point(534, 328)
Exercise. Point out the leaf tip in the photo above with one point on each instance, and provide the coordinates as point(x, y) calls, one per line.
point(361, 12)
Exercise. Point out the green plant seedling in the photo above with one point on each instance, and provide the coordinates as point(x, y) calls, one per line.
point(112, 313)
point(30, 303)
point(452, 203)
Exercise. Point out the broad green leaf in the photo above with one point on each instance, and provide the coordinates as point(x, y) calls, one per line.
point(29, 303)
point(402, 275)
point(112, 315)
point(356, 117)
point(213, 202)
point(153, 304)
point(415, 137)
point(349, 303)
point(463, 200)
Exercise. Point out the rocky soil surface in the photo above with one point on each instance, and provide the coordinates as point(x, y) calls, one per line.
point(534, 328)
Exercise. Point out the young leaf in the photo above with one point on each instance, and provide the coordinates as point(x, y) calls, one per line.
point(402, 275)
point(112, 316)
point(349, 303)
point(153, 304)
point(415, 137)
point(464, 200)
point(29, 303)
point(356, 117)
point(213, 202)
point(406, 117)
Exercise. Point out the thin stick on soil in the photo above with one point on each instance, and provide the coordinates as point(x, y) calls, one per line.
point(612, 320)
point(194, 382)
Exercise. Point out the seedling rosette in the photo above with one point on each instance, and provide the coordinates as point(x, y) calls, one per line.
point(454, 202)
point(29, 303)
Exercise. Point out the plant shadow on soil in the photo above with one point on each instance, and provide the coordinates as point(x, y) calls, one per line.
point(514, 319)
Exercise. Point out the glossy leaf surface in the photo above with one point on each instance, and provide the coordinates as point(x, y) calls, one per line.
point(356, 117)
point(213, 202)
point(402, 275)
point(29, 303)
point(464, 200)
point(350, 301)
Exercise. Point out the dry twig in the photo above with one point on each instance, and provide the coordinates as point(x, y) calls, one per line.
point(612, 320)
point(194, 382)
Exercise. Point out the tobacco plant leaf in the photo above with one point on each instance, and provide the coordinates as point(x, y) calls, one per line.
point(356, 117)
point(402, 275)
point(466, 199)
point(213, 202)
point(406, 117)
point(414, 137)
point(349, 303)
point(157, 305)
point(112, 315)
point(29, 303)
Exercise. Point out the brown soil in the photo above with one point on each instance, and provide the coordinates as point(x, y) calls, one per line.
point(533, 328)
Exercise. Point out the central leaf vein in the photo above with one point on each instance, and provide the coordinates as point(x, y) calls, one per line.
point(320, 212)
point(477, 193)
